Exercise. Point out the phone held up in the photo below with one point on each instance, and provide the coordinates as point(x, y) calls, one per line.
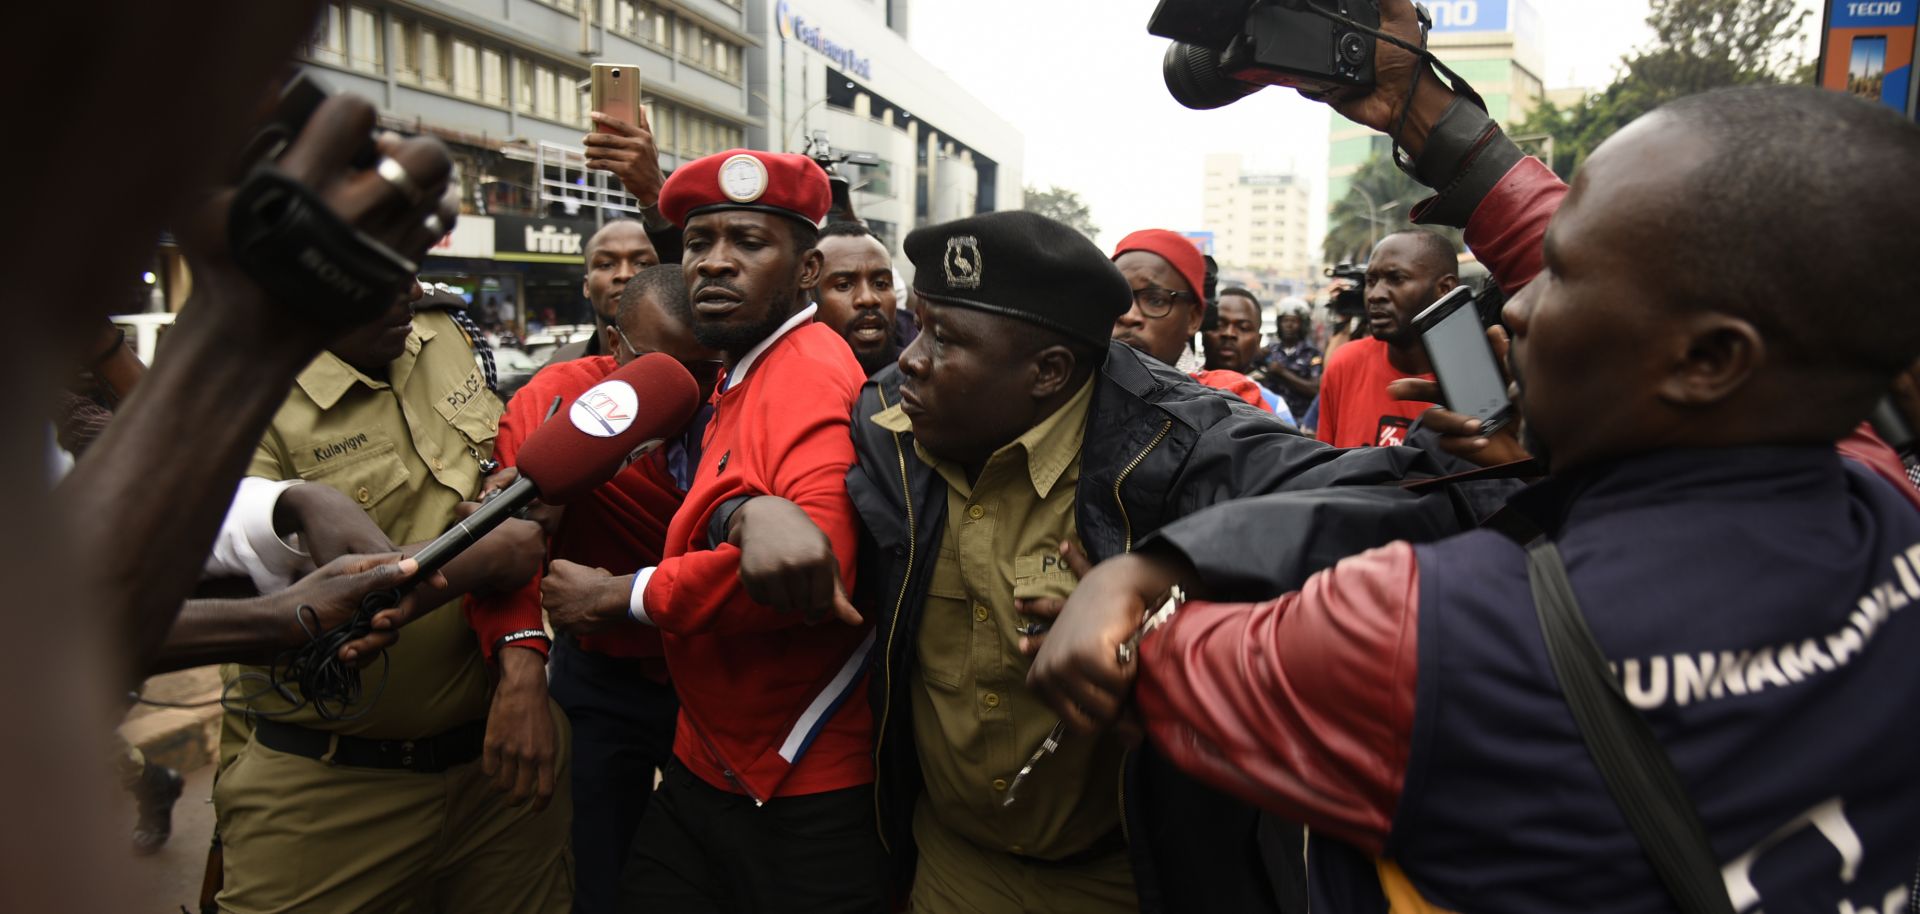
point(1463, 361)
point(615, 91)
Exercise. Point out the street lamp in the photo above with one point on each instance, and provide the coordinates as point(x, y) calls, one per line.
point(1373, 219)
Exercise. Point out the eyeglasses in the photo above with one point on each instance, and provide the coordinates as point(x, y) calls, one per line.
point(637, 351)
point(1156, 302)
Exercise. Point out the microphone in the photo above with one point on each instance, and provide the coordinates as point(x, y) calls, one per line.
point(627, 414)
point(562, 461)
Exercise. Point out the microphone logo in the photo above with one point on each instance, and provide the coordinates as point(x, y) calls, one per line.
point(605, 410)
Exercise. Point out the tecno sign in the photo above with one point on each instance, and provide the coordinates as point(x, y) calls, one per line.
point(1469, 15)
point(1856, 14)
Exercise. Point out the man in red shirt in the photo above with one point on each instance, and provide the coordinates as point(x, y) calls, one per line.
point(1408, 271)
point(767, 803)
point(607, 671)
point(1167, 274)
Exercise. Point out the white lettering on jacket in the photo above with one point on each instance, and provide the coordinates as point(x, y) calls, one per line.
point(1683, 679)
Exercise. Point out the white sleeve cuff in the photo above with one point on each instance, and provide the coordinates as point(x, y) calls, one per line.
point(637, 600)
point(247, 543)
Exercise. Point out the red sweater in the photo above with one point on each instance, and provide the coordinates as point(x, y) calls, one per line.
point(1355, 408)
point(769, 706)
point(1235, 383)
point(621, 526)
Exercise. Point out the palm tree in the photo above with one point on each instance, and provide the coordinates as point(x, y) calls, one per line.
point(1376, 205)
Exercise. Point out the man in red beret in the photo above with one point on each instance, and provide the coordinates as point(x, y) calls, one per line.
point(767, 802)
point(1167, 274)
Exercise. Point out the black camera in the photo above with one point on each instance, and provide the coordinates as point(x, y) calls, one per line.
point(1351, 301)
point(1225, 50)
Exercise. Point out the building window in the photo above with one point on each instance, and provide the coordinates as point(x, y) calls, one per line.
point(436, 59)
point(638, 20)
point(329, 43)
point(660, 119)
point(546, 93)
point(406, 51)
point(653, 27)
point(878, 180)
point(466, 70)
point(349, 36)
point(709, 52)
point(365, 47)
point(493, 77)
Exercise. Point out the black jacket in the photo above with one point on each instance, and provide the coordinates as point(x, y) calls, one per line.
point(1158, 447)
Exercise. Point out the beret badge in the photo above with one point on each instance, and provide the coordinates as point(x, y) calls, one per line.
point(963, 263)
point(743, 178)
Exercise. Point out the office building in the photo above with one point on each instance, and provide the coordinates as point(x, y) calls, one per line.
point(843, 71)
point(1258, 218)
point(503, 83)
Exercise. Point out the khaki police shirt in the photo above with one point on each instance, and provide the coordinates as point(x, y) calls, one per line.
point(408, 449)
point(974, 722)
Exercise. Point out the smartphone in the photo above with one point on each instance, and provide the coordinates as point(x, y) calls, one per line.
point(615, 91)
point(1463, 361)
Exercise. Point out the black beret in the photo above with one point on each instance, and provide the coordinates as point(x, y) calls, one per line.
point(1024, 266)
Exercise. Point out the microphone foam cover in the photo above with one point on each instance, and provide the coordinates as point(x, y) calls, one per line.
point(587, 443)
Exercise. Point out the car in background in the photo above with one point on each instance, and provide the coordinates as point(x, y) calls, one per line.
point(512, 370)
point(542, 344)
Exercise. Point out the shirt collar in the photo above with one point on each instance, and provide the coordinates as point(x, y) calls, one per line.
point(1051, 446)
point(329, 377)
point(739, 372)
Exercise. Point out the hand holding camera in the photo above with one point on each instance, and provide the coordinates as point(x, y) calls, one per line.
point(1223, 52)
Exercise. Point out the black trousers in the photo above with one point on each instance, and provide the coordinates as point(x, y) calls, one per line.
point(622, 732)
point(704, 849)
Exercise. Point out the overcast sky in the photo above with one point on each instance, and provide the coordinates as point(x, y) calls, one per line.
point(1081, 80)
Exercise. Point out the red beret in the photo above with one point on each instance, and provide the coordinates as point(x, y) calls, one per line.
point(772, 182)
point(1175, 249)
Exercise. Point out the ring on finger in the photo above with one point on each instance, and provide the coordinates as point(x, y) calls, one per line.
point(395, 174)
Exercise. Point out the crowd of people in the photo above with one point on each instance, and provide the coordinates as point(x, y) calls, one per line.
point(1047, 583)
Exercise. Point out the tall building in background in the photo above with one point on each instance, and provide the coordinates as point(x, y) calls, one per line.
point(504, 84)
point(844, 71)
point(1258, 220)
point(1494, 44)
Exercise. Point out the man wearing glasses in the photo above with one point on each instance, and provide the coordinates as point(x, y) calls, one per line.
point(1167, 273)
point(1013, 426)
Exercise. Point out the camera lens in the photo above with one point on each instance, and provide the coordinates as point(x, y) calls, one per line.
point(1353, 48)
point(1194, 79)
point(616, 73)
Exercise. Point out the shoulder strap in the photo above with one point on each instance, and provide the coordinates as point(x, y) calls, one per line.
point(1637, 771)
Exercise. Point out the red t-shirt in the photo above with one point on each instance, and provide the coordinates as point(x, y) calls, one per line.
point(1355, 408)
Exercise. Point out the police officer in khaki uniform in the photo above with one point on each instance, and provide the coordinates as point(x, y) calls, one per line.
point(391, 810)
